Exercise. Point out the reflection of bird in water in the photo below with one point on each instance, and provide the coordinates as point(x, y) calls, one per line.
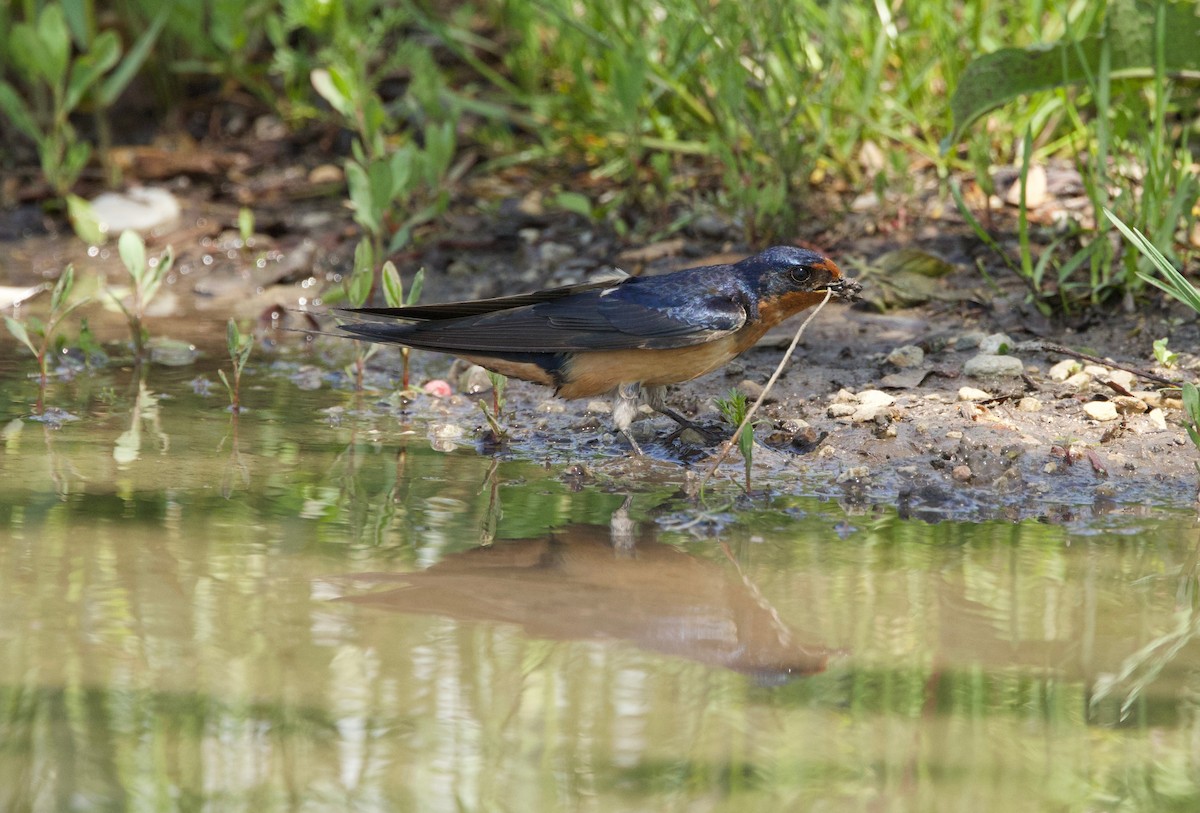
point(592, 582)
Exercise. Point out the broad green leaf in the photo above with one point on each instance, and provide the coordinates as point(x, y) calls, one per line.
point(393, 286)
point(73, 163)
point(154, 276)
point(133, 253)
point(18, 330)
point(55, 44)
point(401, 164)
point(331, 86)
point(359, 187)
point(84, 221)
point(994, 79)
point(359, 284)
point(62, 289)
point(382, 187)
point(75, 12)
point(233, 337)
point(574, 202)
point(29, 56)
point(14, 108)
point(88, 68)
point(118, 80)
point(414, 290)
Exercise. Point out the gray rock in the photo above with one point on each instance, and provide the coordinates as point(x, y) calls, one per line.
point(986, 365)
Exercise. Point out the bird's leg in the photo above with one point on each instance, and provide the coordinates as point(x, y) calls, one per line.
point(624, 409)
point(656, 398)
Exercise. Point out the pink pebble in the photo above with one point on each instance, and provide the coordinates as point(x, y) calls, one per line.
point(438, 388)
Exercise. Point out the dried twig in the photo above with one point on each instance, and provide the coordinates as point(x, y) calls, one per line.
point(727, 447)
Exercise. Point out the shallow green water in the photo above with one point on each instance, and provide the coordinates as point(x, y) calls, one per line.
point(296, 613)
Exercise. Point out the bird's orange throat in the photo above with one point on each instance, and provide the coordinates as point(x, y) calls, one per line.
point(774, 311)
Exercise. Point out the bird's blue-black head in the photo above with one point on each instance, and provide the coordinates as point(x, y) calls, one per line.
point(794, 277)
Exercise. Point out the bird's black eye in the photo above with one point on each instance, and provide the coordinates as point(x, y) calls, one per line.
point(800, 274)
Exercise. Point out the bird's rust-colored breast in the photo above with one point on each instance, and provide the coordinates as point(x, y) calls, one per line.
point(597, 372)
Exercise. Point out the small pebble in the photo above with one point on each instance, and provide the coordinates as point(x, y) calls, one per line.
point(1157, 418)
point(841, 410)
point(954, 434)
point(1128, 405)
point(1123, 378)
point(995, 344)
point(854, 473)
point(1029, 404)
point(1096, 371)
point(908, 355)
point(1064, 370)
point(1101, 410)
point(598, 407)
point(985, 365)
point(551, 406)
point(445, 431)
point(961, 473)
point(1151, 398)
point(1078, 381)
point(969, 341)
point(871, 404)
point(973, 394)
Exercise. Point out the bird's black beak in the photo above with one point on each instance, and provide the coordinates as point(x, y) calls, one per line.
point(842, 287)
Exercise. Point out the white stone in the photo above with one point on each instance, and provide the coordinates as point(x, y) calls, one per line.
point(973, 394)
point(143, 209)
point(1064, 370)
point(1101, 410)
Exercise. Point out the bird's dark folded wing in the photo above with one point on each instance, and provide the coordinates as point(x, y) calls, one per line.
point(593, 320)
point(475, 307)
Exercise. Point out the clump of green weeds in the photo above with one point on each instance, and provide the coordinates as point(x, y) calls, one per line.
point(147, 276)
point(43, 337)
point(1123, 57)
point(66, 66)
point(410, 179)
point(734, 407)
point(394, 296)
point(239, 345)
point(357, 290)
point(1169, 280)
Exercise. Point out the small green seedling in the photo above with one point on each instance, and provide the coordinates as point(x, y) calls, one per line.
point(245, 223)
point(393, 294)
point(734, 407)
point(239, 344)
point(1162, 355)
point(499, 383)
point(63, 71)
point(358, 290)
point(147, 278)
point(40, 337)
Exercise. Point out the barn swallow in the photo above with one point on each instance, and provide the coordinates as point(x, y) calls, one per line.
point(632, 336)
